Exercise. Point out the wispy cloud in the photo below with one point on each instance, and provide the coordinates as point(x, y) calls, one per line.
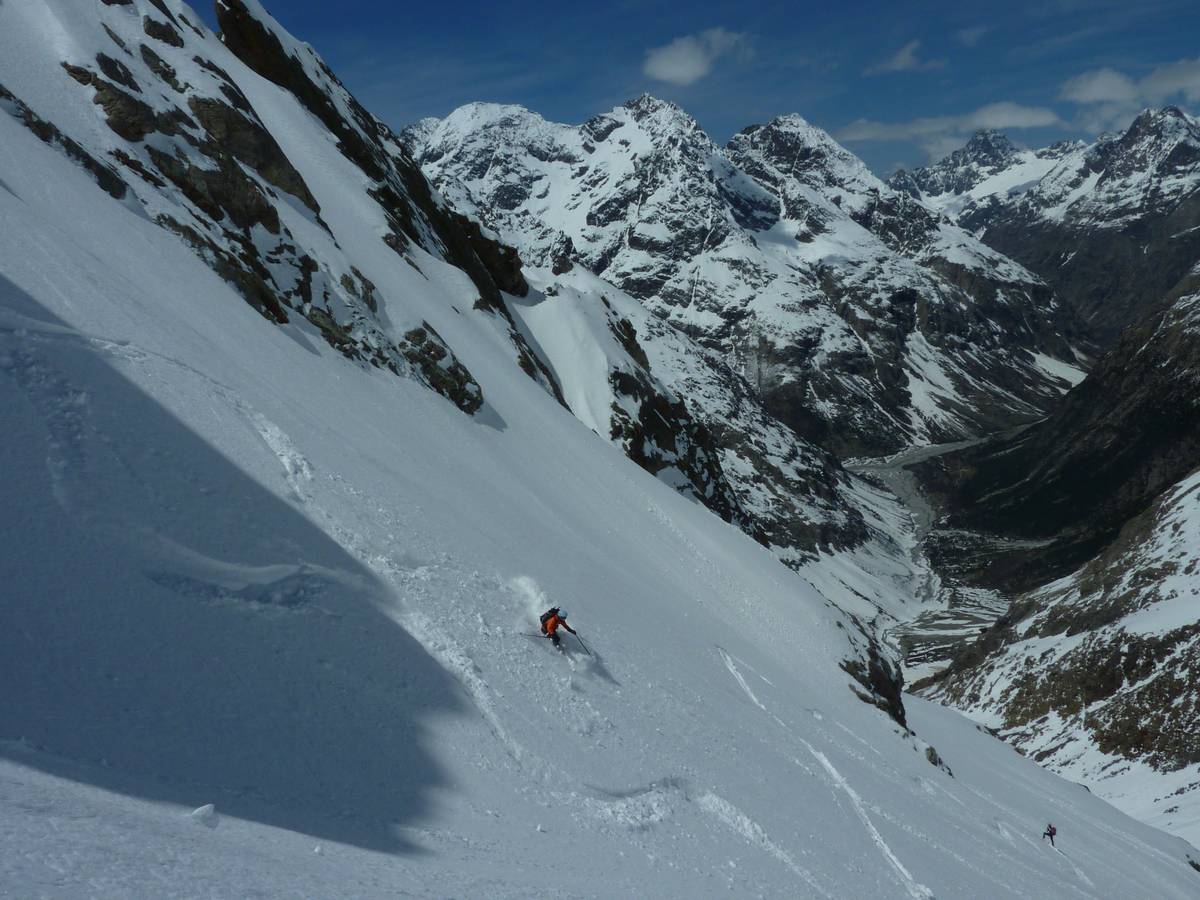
point(689, 58)
point(905, 60)
point(938, 135)
point(970, 37)
point(1108, 98)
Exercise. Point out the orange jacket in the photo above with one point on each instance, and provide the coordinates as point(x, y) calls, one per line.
point(551, 625)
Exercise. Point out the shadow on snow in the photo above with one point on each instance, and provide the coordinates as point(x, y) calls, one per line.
point(172, 630)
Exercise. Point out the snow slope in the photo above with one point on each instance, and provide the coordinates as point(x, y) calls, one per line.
point(245, 569)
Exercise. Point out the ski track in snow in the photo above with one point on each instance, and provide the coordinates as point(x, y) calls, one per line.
point(437, 642)
point(732, 817)
point(1079, 873)
point(297, 471)
point(63, 408)
point(915, 889)
point(737, 675)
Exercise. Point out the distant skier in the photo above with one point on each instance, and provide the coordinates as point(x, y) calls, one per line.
point(551, 620)
point(1050, 832)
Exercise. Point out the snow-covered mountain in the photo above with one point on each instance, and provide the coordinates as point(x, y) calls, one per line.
point(865, 322)
point(1111, 225)
point(294, 454)
point(989, 169)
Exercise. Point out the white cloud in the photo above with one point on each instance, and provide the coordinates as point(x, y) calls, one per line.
point(1177, 79)
point(1109, 99)
point(1100, 86)
point(905, 60)
point(1010, 115)
point(689, 58)
point(938, 135)
point(969, 37)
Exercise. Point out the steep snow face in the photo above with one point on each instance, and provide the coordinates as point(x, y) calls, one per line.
point(327, 262)
point(247, 570)
point(781, 252)
point(1097, 675)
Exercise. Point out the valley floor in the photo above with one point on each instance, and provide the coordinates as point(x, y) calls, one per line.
point(949, 615)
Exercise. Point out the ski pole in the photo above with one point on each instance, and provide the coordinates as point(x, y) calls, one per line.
point(582, 644)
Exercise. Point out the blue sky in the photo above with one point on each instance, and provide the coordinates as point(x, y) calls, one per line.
point(898, 83)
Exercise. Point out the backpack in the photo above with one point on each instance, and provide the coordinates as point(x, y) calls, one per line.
point(548, 615)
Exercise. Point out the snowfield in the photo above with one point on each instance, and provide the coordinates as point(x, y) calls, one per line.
point(245, 571)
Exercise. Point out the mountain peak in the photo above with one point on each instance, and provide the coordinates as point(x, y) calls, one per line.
point(1168, 122)
point(793, 144)
point(647, 107)
point(790, 121)
point(989, 146)
point(647, 102)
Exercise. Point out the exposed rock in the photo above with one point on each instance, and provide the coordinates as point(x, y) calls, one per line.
point(881, 680)
point(161, 31)
point(117, 71)
point(247, 141)
point(160, 68)
point(128, 116)
point(443, 372)
point(109, 181)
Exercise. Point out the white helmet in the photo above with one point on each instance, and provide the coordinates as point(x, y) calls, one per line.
point(562, 613)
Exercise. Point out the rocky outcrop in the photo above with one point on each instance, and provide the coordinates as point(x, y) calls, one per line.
point(414, 214)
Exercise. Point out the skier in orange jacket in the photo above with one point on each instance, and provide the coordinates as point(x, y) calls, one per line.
point(551, 620)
